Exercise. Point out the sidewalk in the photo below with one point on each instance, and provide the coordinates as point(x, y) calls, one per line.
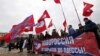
point(14, 52)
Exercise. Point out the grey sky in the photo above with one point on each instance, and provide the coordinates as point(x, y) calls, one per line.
point(14, 11)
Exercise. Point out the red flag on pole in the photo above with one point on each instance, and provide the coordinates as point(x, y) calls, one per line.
point(87, 5)
point(45, 15)
point(65, 25)
point(57, 1)
point(87, 9)
point(25, 26)
point(40, 26)
point(18, 29)
point(29, 21)
point(29, 24)
point(50, 24)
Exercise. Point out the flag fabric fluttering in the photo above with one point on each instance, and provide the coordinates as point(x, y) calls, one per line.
point(16, 30)
point(50, 24)
point(27, 29)
point(87, 9)
point(1, 38)
point(7, 37)
point(65, 25)
point(57, 1)
point(28, 24)
point(40, 26)
point(45, 15)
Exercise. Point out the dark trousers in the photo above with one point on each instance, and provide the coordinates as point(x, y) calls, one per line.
point(20, 48)
point(9, 47)
point(29, 48)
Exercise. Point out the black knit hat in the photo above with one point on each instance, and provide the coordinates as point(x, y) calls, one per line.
point(85, 18)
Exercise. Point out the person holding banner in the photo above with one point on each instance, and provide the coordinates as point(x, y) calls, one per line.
point(47, 35)
point(92, 27)
point(41, 36)
point(55, 34)
point(63, 33)
point(71, 30)
point(80, 30)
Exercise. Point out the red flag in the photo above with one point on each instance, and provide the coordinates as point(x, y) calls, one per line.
point(45, 15)
point(27, 29)
point(65, 25)
point(29, 24)
point(87, 5)
point(18, 29)
point(57, 1)
point(40, 26)
point(7, 37)
point(29, 21)
point(87, 13)
point(50, 24)
point(25, 26)
point(87, 9)
point(1, 38)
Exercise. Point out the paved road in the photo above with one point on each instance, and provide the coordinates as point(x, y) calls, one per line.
point(4, 52)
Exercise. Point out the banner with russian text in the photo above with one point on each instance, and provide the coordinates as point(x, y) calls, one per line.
point(72, 45)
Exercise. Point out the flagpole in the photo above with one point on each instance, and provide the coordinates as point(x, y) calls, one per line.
point(55, 26)
point(76, 12)
point(48, 29)
point(62, 13)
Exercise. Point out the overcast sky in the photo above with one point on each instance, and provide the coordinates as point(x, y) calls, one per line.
point(15, 11)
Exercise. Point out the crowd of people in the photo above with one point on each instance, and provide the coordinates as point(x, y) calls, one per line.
point(88, 27)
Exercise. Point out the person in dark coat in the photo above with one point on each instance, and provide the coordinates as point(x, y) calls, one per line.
point(10, 46)
point(29, 43)
point(71, 30)
point(41, 36)
point(17, 45)
point(92, 27)
point(21, 44)
point(81, 28)
point(63, 33)
point(55, 34)
point(47, 35)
